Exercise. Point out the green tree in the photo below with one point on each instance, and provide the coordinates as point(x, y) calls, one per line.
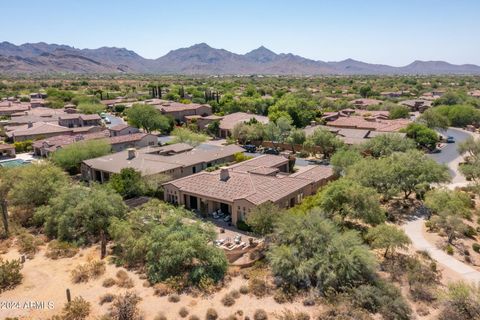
point(184, 135)
point(91, 108)
point(344, 158)
point(461, 301)
point(35, 184)
point(179, 249)
point(296, 137)
point(309, 251)
point(448, 208)
point(79, 214)
point(148, 118)
point(365, 91)
point(129, 183)
point(434, 120)
point(325, 140)
point(70, 157)
point(263, 218)
point(386, 144)
point(423, 135)
point(388, 237)
point(348, 198)
point(399, 112)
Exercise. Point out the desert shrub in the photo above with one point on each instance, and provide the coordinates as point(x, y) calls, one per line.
point(242, 225)
point(383, 298)
point(59, 249)
point(125, 307)
point(193, 317)
point(10, 275)
point(309, 301)
point(290, 315)
point(344, 312)
point(174, 298)
point(28, 243)
point(97, 268)
point(77, 309)
point(449, 250)
point(161, 289)
point(123, 280)
point(109, 282)
point(258, 286)
point(476, 247)
point(280, 296)
point(183, 312)
point(235, 294)
point(244, 289)
point(211, 314)
point(260, 314)
point(461, 302)
point(107, 298)
point(469, 232)
point(228, 300)
point(160, 316)
point(81, 273)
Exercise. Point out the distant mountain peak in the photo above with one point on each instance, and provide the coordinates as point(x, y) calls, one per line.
point(199, 58)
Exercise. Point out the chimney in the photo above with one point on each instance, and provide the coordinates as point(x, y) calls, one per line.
point(224, 174)
point(30, 124)
point(131, 153)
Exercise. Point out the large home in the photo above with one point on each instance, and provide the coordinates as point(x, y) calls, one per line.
point(7, 108)
point(47, 146)
point(227, 122)
point(417, 104)
point(237, 189)
point(178, 110)
point(39, 114)
point(174, 161)
point(365, 102)
point(369, 123)
point(79, 120)
point(122, 129)
point(350, 136)
point(42, 130)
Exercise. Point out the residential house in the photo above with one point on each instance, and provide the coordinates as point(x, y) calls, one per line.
point(122, 129)
point(364, 103)
point(179, 111)
point(79, 120)
point(237, 189)
point(173, 161)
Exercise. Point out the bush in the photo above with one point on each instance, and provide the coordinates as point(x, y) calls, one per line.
point(258, 287)
point(28, 243)
point(161, 289)
point(194, 317)
point(160, 316)
point(174, 298)
point(97, 268)
point(469, 232)
point(211, 314)
point(77, 309)
point(244, 289)
point(109, 282)
point(235, 294)
point(123, 280)
point(107, 298)
point(228, 300)
point(183, 312)
point(260, 314)
point(476, 247)
point(59, 249)
point(449, 250)
point(242, 225)
point(280, 296)
point(289, 315)
point(80, 274)
point(10, 275)
point(125, 307)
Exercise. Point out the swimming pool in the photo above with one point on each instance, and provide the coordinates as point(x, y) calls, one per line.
point(13, 163)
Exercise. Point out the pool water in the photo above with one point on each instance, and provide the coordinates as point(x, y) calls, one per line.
point(12, 163)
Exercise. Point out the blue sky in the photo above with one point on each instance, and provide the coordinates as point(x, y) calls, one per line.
point(394, 32)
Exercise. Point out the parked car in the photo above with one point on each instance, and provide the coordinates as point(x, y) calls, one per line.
point(450, 139)
point(227, 218)
point(250, 148)
point(107, 120)
point(324, 162)
point(103, 115)
point(436, 150)
point(271, 151)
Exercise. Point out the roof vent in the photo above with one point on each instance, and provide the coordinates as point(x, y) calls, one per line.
point(30, 124)
point(224, 174)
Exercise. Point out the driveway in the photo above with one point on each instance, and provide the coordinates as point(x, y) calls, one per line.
point(414, 228)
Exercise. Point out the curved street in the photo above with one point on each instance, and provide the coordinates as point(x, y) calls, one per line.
point(414, 227)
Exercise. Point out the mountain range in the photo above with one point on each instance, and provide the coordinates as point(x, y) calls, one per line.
point(41, 58)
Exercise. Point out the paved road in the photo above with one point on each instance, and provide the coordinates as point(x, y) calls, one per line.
point(414, 227)
point(114, 120)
